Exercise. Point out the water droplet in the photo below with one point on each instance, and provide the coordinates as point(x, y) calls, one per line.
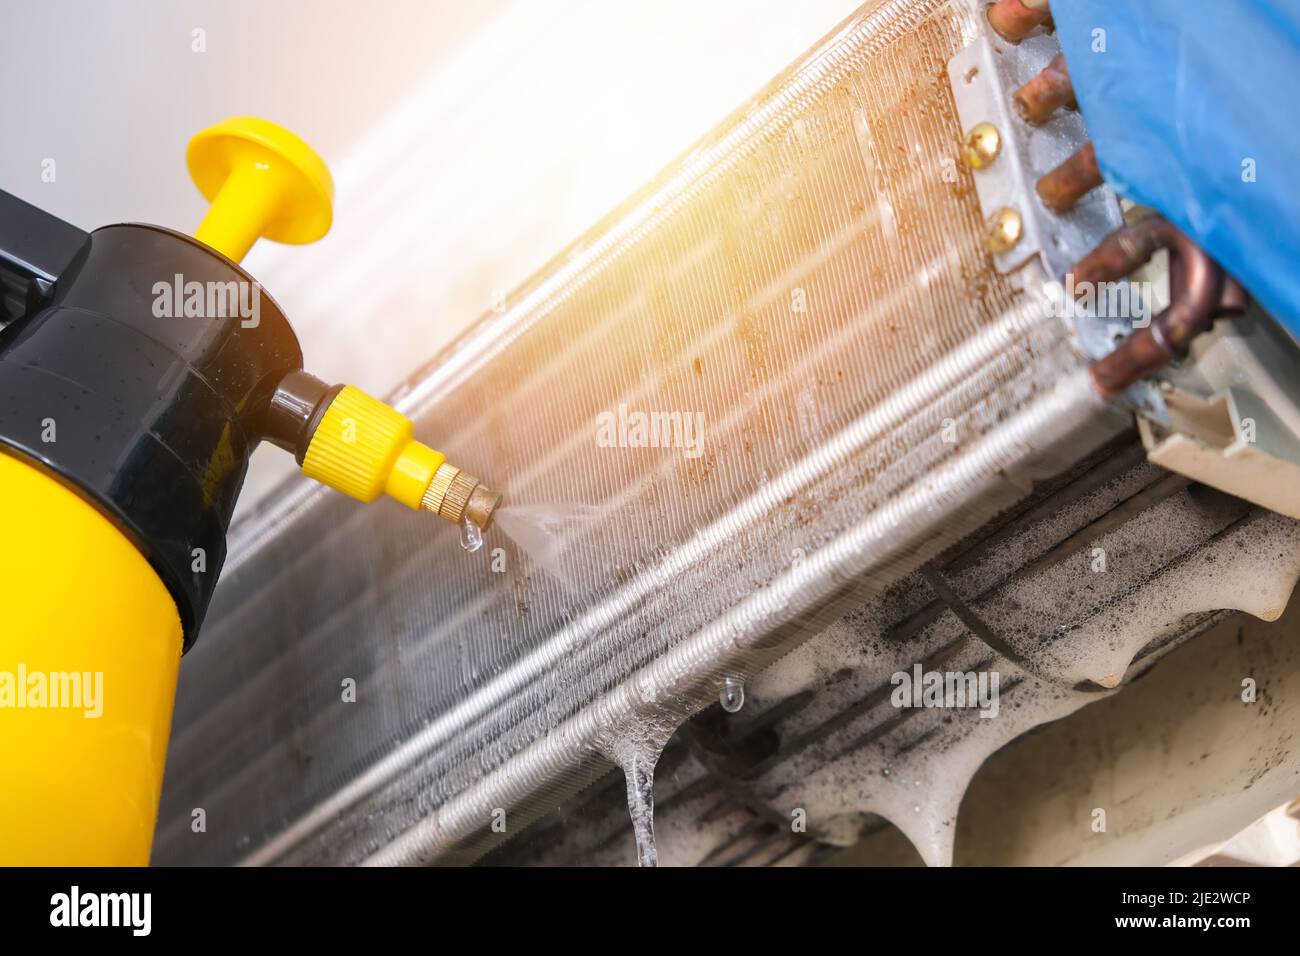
point(471, 535)
point(732, 697)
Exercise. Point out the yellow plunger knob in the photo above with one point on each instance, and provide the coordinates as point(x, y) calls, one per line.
point(262, 181)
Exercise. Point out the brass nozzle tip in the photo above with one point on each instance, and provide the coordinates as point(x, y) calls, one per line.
point(483, 504)
point(455, 495)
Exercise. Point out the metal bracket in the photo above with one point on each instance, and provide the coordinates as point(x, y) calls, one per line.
point(984, 76)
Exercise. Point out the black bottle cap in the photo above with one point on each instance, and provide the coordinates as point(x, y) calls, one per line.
point(156, 359)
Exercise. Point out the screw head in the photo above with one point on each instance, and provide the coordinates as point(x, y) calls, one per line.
point(982, 145)
point(1004, 230)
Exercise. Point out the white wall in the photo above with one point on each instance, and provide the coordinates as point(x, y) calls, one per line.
point(112, 90)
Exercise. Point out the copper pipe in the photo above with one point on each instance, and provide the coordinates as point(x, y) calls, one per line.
point(1016, 19)
point(1042, 96)
point(1235, 300)
point(1071, 181)
point(1198, 294)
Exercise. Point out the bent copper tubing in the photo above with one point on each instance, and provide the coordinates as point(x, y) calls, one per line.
point(1016, 19)
point(1199, 293)
point(1235, 300)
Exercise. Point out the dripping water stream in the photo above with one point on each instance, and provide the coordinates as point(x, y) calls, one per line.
point(639, 771)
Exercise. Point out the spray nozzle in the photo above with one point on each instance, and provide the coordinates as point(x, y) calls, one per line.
point(265, 181)
point(356, 444)
point(458, 496)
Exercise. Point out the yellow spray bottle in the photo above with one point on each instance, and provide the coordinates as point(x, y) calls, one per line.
point(139, 369)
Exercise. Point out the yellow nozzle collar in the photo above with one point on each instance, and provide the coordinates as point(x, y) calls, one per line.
point(364, 449)
point(262, 181)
